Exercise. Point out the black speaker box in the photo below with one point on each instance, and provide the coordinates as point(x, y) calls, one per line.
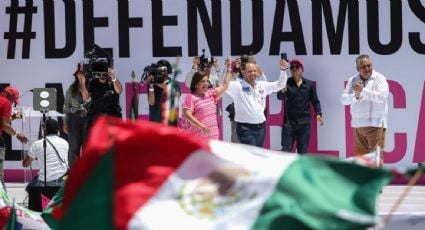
point(34, 197)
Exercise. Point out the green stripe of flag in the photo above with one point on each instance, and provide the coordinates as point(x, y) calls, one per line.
point(323, 193)
point(88, 211)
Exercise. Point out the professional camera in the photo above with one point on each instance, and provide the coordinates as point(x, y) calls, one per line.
point(156, 71)
point(205, 61)
point(98, 61)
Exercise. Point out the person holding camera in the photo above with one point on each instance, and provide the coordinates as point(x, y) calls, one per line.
point(157, 80)
point(208, 65)
point(75, 110)
point(367, 94)
point(199, 108)
point(298, 94)
point(104, 92)
point(249, 97)
point(56, 156)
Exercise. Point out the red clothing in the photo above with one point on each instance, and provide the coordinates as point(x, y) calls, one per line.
point(5, 109)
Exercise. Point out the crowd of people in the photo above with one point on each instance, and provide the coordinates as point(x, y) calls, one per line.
point(247, 85)
point(85, 100)
point(242, 79)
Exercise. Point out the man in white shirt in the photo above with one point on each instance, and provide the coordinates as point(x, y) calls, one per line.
point(249, 96)
point(56, 155)
point(367, 94)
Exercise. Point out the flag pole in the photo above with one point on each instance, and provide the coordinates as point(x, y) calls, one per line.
point(171, 109)
point(403, 195)
point(133, 112)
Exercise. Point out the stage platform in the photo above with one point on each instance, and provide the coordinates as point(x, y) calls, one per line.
point(411, 212)
point(409, 216)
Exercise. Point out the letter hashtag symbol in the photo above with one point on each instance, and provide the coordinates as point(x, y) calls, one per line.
point(26, 35)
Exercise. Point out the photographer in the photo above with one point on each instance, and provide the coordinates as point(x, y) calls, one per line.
point(105, 93)
point(157, 80)
point(206, 65)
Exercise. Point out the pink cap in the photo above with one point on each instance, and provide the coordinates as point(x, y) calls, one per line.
point(297, 61)
point(12, 92)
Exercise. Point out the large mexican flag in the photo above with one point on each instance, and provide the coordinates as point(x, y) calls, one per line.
point(142, 175)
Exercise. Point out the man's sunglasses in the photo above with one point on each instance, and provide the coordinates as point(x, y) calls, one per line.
point(295, 66)
point(365, 66)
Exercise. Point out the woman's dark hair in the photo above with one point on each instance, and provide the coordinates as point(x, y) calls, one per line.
point(197, 77)
point(74, 85)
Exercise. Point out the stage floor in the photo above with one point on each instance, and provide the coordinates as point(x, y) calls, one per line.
point(410, 214)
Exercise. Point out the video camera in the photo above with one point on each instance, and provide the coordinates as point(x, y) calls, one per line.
point(98, 61)
point(156, 71)
point(205, 61)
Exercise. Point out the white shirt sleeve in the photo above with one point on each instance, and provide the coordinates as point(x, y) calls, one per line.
point(271, 87)
point(34, 150)
point(189, 77)
point(348, 97)
point(378, 93)
point(234, 88)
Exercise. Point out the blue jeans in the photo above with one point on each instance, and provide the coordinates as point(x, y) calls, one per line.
point(76, 137)
point(292, 132)
point(251, 134)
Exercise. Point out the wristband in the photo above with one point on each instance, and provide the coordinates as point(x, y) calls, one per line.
point(151, 90)
point(114, 80)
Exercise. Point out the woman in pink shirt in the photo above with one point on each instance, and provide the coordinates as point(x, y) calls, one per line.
point(199, 107)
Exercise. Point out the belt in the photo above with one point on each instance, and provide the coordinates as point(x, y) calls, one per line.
point(255, 126)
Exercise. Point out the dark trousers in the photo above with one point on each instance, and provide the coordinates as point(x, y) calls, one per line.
point(76, 137)
point(2, 156)
point(292, 132)
point(251, 134)
point(35, 182)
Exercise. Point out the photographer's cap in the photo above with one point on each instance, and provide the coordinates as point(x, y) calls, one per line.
point(297, 61)
point(13, 93)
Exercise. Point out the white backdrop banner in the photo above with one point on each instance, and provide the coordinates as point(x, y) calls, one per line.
point(44, 40)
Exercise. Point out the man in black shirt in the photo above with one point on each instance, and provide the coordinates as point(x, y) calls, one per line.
point(104, 92)
point(298, 94)
point(156, 87)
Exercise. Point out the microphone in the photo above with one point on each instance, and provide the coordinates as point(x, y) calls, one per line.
point(30, 90)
